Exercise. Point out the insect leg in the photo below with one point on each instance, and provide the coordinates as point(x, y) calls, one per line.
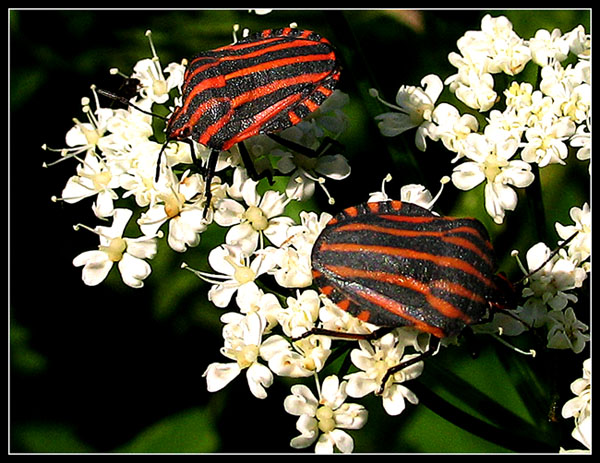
point(324, 146)
point(432, 349)
point(344, 335)
point(210, 172)
point(251, 168)
point(160, 154)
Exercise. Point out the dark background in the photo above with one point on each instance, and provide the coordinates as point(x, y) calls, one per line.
point(110, 368)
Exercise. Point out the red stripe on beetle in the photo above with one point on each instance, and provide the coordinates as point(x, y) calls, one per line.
point(443, 235)
point(399, 309)
point(442, 261)
point(442, 306)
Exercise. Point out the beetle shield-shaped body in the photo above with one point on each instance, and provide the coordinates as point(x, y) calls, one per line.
point(397, 264)
point(263, 83)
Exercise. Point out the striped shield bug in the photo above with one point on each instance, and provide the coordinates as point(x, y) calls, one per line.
point(395, 264)
point(261, 84)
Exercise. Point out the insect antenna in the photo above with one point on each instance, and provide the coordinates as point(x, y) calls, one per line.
point(125, 101)
point(550, 257)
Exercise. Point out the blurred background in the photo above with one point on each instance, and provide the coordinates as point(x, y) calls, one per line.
point(112, 369)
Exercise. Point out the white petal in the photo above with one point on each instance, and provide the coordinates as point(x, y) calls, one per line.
point(228, 212)
point(220, 295)
point(272, 203)
point(90, 256)
point(392, 124)
point(216, 259)
point(393, 400)
point(360, 384)
point(351, 416)
point(120, 218)
point(301, 442)
point(274, 345)
point(133, 270)
point(342, 440)
point(301, 402)
point(334, 166)
point(325, 444)
point(142, 248)
point(433, 86)
point(518, 173)
point(244, 236)
point(307, 425)
point(259, 377)
point(104, 206)
point(249, 193)
point(96, 266)
point(219, 375)
point(277, 231)
point(332, 392)
point(467, 175)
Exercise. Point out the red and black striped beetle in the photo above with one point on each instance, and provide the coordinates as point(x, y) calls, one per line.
point(262, 84)
point(395, 264)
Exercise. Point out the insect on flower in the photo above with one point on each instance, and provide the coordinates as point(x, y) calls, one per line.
point(394, 263)
point(261, 84)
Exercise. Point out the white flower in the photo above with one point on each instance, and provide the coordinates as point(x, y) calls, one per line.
point(335, 319)
point(375, 359)
point(250, 298)
point(493, 49)
point(549, 288)
point(579, 42)
point(489, 160)
point(83, 137)
point(582, 139)
point(261, 218)
point(565, 331)
point(579, 407)
point(293, 268)
point(243, 337)
point(580, 248)
point(128, 253)
point(298, 360)
point(179, 204)
point(474, 89)
point(414, 108)
point(155, 87)
point(303, 236)
point(127, 127)
point(301, 313)
point(546, 46)
point(546, 141)
point(322, 418)
point(93, 179)
point(506, 51)
point(234, 271)
point(452, 128)
point(551, 283)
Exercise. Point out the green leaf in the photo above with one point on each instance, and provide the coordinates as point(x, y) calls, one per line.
point(48, 438)
point(191, 431)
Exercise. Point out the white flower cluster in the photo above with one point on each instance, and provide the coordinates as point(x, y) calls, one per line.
point(536, 126)
point(550, 290)
point(580, 407)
